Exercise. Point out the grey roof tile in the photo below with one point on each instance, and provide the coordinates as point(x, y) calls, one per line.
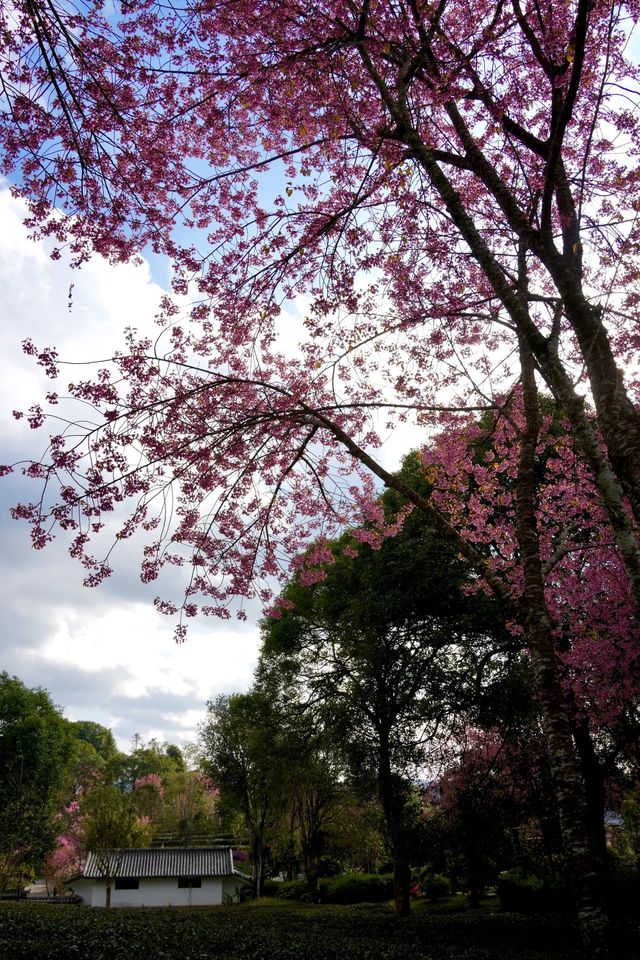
point(162, 862)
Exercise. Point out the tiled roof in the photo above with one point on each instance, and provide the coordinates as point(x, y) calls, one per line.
point(161, 862)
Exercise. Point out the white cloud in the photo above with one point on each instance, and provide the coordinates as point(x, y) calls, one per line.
point(105, 654)
point(142, 646)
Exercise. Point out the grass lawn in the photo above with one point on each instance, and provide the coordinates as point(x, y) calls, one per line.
point(282, 931)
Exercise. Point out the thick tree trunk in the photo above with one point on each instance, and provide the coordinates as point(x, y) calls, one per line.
point(310, 818)
point(568, 785)
point(393, 810)
point(402, 886)
point(617, 417)
point(594, 780)
point(569, 789)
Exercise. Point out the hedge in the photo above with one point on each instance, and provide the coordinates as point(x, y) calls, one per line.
point(356, 888)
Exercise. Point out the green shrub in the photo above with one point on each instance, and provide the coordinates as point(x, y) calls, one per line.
point(292, 889)
point(435, 886)
point(357, 888)
point(279, 930)
point(525, 893)
point(270, 888)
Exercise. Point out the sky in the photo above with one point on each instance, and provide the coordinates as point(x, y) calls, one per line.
point(103, 654)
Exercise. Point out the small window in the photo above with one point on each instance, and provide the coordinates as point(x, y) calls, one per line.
point(127, 883)
point(189, 882)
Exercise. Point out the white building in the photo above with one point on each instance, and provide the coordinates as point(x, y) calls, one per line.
point(159, 877)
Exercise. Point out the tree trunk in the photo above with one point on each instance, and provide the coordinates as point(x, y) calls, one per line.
point(618, 417)
point(392, 802)
point(107, 894)
point(594, 780)
point(258, 868)
point(568, 785)
point(475, 887)
point(310, 836)
point(402, 886)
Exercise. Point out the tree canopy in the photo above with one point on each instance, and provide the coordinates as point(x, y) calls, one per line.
point(455, 201)
point(428, 230)
point(35, 755)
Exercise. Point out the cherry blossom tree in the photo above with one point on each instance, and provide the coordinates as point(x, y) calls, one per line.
point(66, 859)
point(454, 193)
point(579, 623)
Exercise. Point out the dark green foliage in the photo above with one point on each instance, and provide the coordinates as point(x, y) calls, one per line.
point(284, 932)
point(175, 753)
point(270, 888)
point(357, 888)
point(526, 893)
point(95, 755)
point(35, 753)
point(240, 740)
point(100, 738)
point(435, 886)
point(290, 889)
point(386, 648)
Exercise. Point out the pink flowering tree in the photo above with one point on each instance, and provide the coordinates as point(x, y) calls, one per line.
point(66, 858)
point(61, 864)
point(585, 589)
point(578, 601)
point(490, 806)
point(181, 806)
point(449, 199)
point(148, 795)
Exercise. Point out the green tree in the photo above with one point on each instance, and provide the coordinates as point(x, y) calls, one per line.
point(162, 759)
point(356, 839)
point(312, 774)
point(189, 805)
point(35, 752)
point(95, 754)
point(239, 742)
point(385, 644)
point(110, 824)
point(100, 738)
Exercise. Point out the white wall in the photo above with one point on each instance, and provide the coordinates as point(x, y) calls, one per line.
point(158, 892)
point(84, 889)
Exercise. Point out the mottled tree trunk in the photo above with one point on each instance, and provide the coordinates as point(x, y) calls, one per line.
point(618, 419)
point(568, 784)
